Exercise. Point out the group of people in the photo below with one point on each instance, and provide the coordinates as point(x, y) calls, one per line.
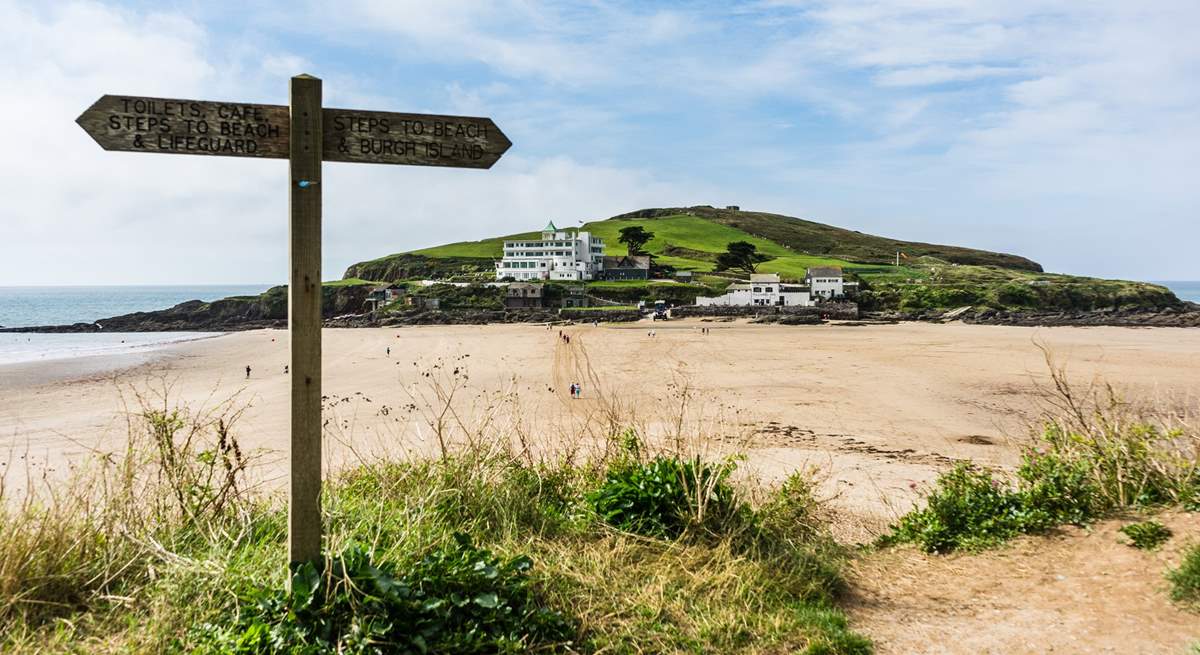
point(565, 337)
point(576, 390)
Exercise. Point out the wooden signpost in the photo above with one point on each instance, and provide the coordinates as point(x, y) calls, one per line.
point(306, 134)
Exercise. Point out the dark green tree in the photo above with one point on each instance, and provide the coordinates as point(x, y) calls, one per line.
point(740, 256)
point(634, 237)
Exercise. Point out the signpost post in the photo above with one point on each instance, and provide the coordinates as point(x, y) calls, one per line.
point(306, 134)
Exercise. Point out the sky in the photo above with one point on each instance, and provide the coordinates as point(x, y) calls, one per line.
point(1066, 132)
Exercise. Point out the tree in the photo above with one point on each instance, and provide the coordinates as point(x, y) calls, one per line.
point(634, 237)
point(740, 256)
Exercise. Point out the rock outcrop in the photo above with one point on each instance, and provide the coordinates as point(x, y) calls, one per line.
point(266, 310)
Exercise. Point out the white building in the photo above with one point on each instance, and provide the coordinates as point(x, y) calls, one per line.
point(826, 282)
point(764, 290)
point(558, 255)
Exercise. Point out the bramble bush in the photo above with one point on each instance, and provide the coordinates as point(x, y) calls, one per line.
point(458, 599)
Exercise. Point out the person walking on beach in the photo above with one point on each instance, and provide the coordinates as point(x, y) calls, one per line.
point(389, 351)
point(572, 391)
point(247, 371)
point(578, 390)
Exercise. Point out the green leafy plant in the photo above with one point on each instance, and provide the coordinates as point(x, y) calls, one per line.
point(665, 496)
point(1055, 490)
point(1146, 535)
point(1185, 580)
point(966, 509)
point(459, 599)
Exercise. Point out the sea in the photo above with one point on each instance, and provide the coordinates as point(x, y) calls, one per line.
point(46, 305)
point(1184, 290)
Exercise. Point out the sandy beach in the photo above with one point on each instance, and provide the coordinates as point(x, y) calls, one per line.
point(876, 407)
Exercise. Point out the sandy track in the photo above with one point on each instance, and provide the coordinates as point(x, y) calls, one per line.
point(1077, 591)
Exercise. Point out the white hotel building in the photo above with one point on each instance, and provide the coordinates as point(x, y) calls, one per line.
point(558, 255)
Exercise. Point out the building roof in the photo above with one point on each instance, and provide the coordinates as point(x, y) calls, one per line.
point(628, 261)
point(550, 227)
point(764, 277)
point(825, 271)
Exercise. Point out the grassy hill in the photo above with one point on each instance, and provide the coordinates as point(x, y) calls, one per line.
point(687, 242)
point(932, 276)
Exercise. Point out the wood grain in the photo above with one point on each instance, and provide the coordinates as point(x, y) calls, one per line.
point(379, 137)
point(204, 127)
point(187, 127)
point(304, 322)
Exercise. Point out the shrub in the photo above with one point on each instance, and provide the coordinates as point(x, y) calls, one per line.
point(459, 598)
point(1185, 580)
point(970, 509)
point(1055, 489)
point(1016, 294)
point(792, 512)
point(1146, 535)
point(967, 509)
point(666, 496)
point(1136, 456)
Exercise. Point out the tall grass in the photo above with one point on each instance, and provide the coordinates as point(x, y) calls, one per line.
point(164, 547)
point(95, 539)
point(1096, 453)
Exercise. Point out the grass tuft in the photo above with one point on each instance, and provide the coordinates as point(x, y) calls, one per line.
point(1147, 535)
point(1185, 580)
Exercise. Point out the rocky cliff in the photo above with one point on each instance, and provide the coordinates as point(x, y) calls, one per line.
point(268, 309)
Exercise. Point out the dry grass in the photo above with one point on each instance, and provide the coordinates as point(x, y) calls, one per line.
point(1138, 453)
point(146, 543)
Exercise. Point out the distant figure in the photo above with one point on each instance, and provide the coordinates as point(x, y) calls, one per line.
point(247, 371)
point(389, 351)
point(572, 391)
point(578, 390)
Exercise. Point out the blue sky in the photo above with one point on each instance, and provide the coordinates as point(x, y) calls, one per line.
point(1065, 132)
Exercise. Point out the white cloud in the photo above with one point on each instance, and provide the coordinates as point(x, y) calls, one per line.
point(1015, 124)
point(76, 214)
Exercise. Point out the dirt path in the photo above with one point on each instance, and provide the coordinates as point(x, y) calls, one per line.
point(1077, 591)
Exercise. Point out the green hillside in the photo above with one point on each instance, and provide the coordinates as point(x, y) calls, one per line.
point(818, 239)
point(684, 241)
point(931, 277)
